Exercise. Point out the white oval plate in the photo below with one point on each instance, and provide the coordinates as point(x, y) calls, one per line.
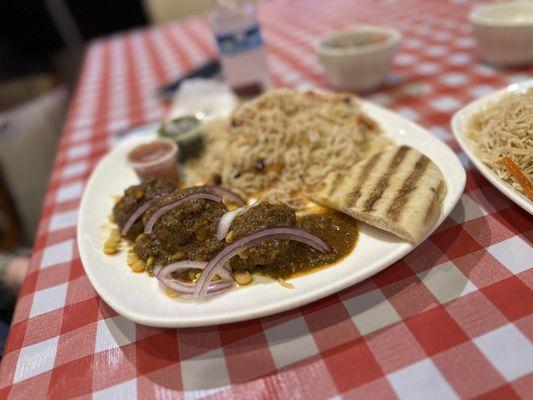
point(139, 298)
point(459, 123)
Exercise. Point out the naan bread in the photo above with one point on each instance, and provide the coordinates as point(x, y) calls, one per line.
point(398, 190)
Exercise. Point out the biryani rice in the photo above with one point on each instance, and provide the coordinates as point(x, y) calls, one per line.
point(276, 145)
point(505, 128)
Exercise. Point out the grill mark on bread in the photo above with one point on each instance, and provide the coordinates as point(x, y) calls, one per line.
point(402, 196)
point(434, 202)
point(352, 197)
point(401, 181)
point(335, 183)
point(382, 184)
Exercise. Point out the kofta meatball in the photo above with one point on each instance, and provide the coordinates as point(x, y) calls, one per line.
point(335, 228)
point(189, 228)
point(136, 195)
point(268, 252)
point(147, 246)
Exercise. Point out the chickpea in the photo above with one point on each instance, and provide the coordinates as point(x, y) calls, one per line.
point(229, 237)
point(115, 235)
point(242, 277)
point(191, 274)
point(138, 266)
point(112, 243)
point(132, 258)
point(110, 248)
point(171, 293)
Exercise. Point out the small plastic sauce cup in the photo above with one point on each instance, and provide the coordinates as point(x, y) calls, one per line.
point(156, 159)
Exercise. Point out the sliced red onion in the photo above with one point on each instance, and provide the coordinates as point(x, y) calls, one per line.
point(227, 219)
point(188, 264)
point(187, 289)
point(156, 270)
point(248, 241)
point(167, 207)
point(136, 213)
point(225, 194)
point(182, 265)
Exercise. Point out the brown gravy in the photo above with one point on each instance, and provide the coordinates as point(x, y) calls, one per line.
point(338, 230)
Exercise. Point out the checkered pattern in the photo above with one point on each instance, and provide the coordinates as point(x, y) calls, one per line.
point(453, 319)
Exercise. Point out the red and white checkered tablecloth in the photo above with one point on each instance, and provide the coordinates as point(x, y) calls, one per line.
point(453, 319)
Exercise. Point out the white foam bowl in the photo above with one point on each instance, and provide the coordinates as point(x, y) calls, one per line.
point(504, 33)
point(357, 68)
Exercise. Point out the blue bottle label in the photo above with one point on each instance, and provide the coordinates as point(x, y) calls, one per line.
point(239, 42)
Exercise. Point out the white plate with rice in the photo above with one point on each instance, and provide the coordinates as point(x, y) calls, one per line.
point(139, 297)
point(498, 177)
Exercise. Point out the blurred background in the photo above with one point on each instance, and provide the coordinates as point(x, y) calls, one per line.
point(41, 49)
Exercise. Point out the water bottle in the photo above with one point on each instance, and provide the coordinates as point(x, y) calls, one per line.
point(240, 46)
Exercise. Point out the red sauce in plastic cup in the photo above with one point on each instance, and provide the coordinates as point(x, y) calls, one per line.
point(157, 159)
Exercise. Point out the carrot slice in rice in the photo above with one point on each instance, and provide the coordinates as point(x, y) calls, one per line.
point(519, 176)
